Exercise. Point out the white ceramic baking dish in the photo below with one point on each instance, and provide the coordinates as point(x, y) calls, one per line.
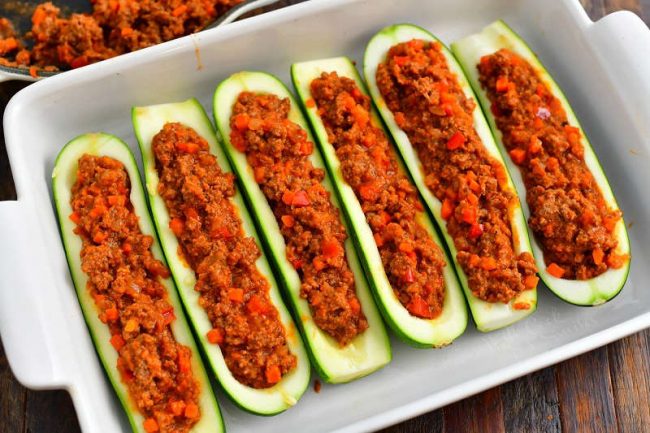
point(603, 68)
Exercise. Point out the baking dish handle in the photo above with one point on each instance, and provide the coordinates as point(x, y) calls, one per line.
point(25, 336)
point(622, 38)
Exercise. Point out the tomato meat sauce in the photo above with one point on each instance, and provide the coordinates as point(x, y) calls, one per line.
point(430, 106)
point(123, 279)
point(234, 293)
point(568, 213)
point(412, 260)
point(278, 151)
point(114, 27)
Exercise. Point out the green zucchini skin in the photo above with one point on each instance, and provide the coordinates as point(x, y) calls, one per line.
point(63, 177)
point(469, 50)
point(487, 316)
point(147, 122)
point(369, 351)
point(414, 331)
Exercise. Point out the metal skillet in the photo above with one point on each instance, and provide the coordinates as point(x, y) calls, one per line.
point(19, 12)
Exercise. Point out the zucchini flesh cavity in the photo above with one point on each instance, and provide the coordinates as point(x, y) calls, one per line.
point(487, 316)
point(63, 178)
point(147, 122)
point(469, 51)
point(368, 351)
point(416, 331)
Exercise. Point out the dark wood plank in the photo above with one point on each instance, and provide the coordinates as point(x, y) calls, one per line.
point(585, 394)
point(431, 422)
point(12, 399)
point(50, 412)
point(530, 404)
point(478, 414)
point(630, 374)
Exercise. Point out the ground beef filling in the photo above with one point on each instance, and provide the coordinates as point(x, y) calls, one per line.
point(114, 27)
point(412, 260)
point(568, 213)
point(123, 279)
point(278, 151)
point(430, 106)
point(234, 293)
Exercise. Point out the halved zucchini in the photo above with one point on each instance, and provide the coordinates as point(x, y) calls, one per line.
point(469, 51)
point(370, 350)
point(414, 330)
point(147, 122)
point(63, 178)
point(488, 316)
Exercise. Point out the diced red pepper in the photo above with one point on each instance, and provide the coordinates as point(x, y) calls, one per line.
point(419, 308)
point(215, 336)
point(502, 84)
point(288, 220)
point(117, 342)
point(530, 282)
point(273, 374)
point(150, 425)
point(330, 248)
point(456, 141)
point(409, 277)
point(476, 231)
point(191, 411)
point(300, 199)
point(469, 214)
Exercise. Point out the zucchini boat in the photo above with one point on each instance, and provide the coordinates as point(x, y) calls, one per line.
point(147, 122)
point(64, 177)
point(335, 363)
point(488, 316)
point(587, 292)
point(418, 331)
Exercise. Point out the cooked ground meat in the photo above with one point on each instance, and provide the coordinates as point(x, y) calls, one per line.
point(278, 151)
point(114, 27)
point(123, 279)
point(430, 106)
point(412, 260)
point(234, 293)
point(568, 214)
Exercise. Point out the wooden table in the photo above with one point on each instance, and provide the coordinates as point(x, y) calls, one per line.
point(606, 390)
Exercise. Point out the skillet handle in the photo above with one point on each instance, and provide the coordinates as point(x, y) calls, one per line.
point(622, 41)
point(25, 336)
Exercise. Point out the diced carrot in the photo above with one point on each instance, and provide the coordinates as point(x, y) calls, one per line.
point(610, 223)
point(552, 163)
point(469, 214)
point(400, 60)
point(488, 263)
point(555, 270)
point(237, 141)
point(187, 147)
point(191, 411)
point(39, 16)
point(97, 211)
point(447, 209)
point(355, 306)
point(368, 191)
point(176, 225)
point(236, 295)
point(288, 220)
point(616, 261)
point(400, 119)
point(415, 44)
point(177, 407)
point(361, 116)
point(111, 314)
point(518, 156)
point(538, 123)
point(168, 315)
point(180, 10)
point(75, 218)
point(535, 145)
point(521, 306)
point(502, 84)
point(273, 374)
point(405, 247)
point(191, 213)
point(418, 307)
point(131, 325)
point(598, 256)
point(184, 360)
point(79, 62)
point(588, 217)
point(330, 248)
point(215, 336)
point(379, 239)
point(116, 200)
point(530, 282)
point(287, 197)
point(474, 260)
point(540, 90)
point(100, 237)
point(117, 342)
point(257, 305)
point(300, 199)
point(150, 425)
point(456, 141)
point(476, 230)
point(33, 71)
point(259, 173)
point(310, 103)
point(126, 32)
point(241, 121)
point(318, 263)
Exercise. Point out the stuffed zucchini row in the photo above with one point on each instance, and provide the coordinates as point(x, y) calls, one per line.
point(284, 181)
point(579, 237)
point(414, 282)
point(128, 300)
point(213, 251)
point(428, 105)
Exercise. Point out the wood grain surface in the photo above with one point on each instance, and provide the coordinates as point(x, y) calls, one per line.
point(606, 390)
